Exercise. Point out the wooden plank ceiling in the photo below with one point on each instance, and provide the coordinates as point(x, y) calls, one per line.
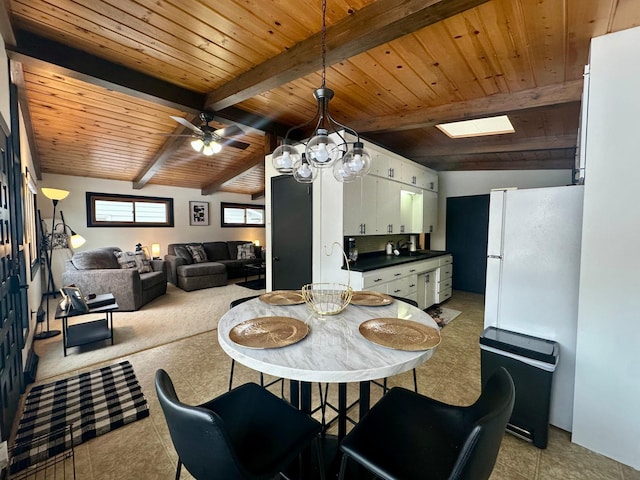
point(99, 80)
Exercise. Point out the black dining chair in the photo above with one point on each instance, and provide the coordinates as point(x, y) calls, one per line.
point(408, 436)
point(247, 433)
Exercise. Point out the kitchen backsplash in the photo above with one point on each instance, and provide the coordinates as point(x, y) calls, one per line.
point(377, 243)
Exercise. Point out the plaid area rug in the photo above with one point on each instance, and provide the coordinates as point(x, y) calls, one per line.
point(93, 403)
point(442, 315)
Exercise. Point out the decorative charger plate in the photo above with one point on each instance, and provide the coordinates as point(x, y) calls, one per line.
point(269, 332)
point(282, 297)
point(371, 299)
point(400, 334)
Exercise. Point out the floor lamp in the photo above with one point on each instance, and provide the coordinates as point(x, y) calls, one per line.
point(55, 195)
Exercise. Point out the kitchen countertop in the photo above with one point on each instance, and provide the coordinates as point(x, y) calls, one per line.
point(374, 262)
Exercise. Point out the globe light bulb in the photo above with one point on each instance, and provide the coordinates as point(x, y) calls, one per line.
point(303, 171)
point(284, 157)
point(357, 161)
point(322, 155)
point(285, 160)
point(342, 174)
point(356, 164)
point(321, 150)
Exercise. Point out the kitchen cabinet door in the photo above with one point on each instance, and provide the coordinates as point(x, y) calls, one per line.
point(352, 208)
point(429, 211)
point(388, 207)
point(359, 206)
point(380, 164)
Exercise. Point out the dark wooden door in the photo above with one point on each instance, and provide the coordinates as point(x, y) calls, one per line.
point(291, 233)
point(467, 231)
point(11, 293)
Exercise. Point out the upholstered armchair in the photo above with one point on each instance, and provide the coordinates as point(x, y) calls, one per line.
point(98, 271)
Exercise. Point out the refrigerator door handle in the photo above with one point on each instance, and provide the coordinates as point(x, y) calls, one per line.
point(495, 256)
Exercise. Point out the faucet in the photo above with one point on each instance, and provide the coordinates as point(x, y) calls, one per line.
point(400, 245)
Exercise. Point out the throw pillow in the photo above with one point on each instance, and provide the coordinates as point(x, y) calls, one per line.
point(183, 253)
point(197, 253)
point(246, 251)
point(126, 259)
point(142, 262)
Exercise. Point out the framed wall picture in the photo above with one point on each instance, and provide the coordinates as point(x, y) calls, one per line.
point(198, 213)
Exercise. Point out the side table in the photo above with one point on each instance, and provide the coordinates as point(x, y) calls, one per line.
point(91, 331)
point(254, 269)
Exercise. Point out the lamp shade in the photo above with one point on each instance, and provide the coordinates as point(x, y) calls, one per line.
point(77, 240)
point(54, 193)
point(155, 250)
point(197, 144)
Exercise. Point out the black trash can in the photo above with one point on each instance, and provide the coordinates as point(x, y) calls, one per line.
point(531, 362)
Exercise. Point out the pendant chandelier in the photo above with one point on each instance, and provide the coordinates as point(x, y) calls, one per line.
point(348, 161)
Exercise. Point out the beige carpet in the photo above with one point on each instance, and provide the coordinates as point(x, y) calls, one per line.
point(176, 315)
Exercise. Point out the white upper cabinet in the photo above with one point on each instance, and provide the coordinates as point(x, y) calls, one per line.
point(360, 206)
point(429, 211)
point(380, 164)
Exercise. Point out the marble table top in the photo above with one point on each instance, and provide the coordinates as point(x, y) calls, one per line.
point(333, 351)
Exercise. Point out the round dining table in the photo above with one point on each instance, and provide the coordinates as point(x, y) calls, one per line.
point(333, 351)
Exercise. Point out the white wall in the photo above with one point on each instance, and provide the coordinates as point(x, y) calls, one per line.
point(460, 184)
point(607, 389)
point(75, 214)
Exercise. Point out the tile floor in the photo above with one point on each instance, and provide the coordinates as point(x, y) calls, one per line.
point(199, 369)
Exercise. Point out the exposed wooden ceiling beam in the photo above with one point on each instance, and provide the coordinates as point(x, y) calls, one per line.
point(6, 30)
point(374, 25)
point(270, 143)
point(258, 195)
point(231, 174)
point(462, 164)
point(17, 77)
point(74, 63)
point(526, 145)
point(165, 153)
point(498, 104)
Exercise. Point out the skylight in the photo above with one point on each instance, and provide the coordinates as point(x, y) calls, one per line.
point(477, 127)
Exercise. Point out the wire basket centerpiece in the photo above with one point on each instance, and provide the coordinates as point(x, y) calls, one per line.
point(329, 298)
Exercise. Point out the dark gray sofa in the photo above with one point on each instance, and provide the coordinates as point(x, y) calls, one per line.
point(222, 263)
point(98, 271)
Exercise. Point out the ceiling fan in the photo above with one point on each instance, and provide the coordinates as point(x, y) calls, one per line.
point(209, 141)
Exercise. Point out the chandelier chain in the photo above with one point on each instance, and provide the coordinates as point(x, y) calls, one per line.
point(324, 42)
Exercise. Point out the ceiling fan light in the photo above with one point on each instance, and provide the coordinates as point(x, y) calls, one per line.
point(321, 149)
point(208, 149)
point(284, 157)
point(357, 160)
point(217, 148)
point(197, 144)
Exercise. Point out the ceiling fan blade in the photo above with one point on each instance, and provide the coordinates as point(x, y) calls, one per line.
point(230, 131)
point(187, 124)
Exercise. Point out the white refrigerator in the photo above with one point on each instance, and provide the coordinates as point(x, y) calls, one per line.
point(533, 272)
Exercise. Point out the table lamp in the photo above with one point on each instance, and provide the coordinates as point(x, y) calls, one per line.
point(155, 250)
